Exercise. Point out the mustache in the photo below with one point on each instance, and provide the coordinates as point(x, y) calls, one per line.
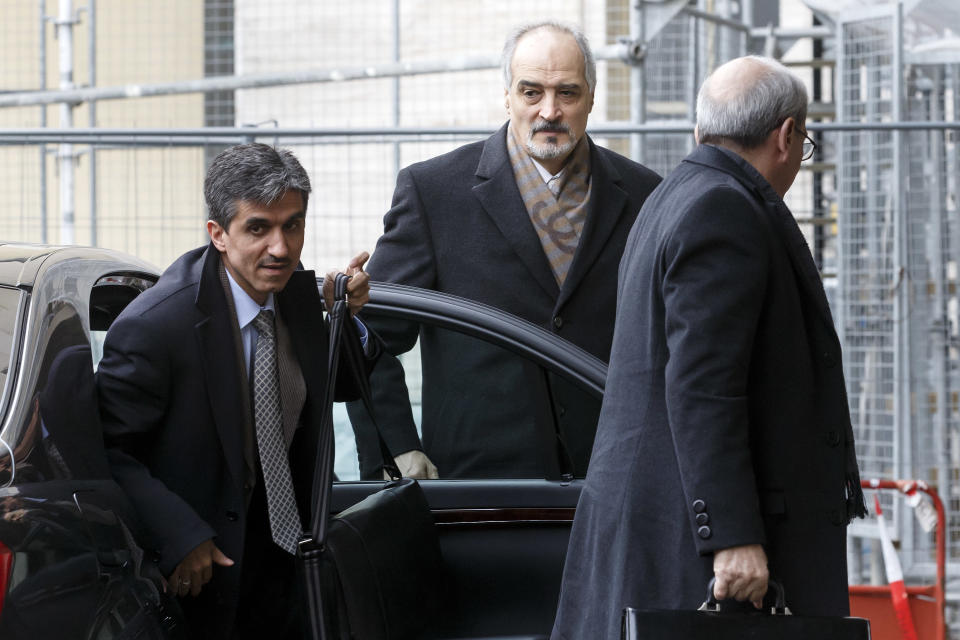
point(552, 127)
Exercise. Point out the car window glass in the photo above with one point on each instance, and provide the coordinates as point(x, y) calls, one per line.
point(60, 434)
point(110, 295)
point(476, 410)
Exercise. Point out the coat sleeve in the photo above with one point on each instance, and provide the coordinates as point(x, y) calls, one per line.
point(133, 386)
point(404, 255)
point(714, 273)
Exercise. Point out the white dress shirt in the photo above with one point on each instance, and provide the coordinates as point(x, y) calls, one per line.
point(552, 181)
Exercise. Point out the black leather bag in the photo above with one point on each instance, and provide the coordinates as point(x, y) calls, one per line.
point(708, 622)
point(374, 571)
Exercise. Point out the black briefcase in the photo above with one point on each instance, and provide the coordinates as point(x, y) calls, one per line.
point(709, 622)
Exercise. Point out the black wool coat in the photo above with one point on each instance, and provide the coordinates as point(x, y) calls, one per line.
point(725, 415)
point(458, 225)
point(172, 408)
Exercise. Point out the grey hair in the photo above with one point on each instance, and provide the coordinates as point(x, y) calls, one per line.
point(589, 64)
point(254, 172)
point(747, 112)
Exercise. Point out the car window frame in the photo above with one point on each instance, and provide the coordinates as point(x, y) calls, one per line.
point(549, 352)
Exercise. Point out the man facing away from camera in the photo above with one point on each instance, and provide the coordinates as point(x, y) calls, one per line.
point(531, 220)
point(211, 393)
point(724, 446)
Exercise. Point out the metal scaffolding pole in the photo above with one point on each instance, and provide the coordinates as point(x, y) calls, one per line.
point(65, 24)
point(638, 94)
point(92, 114)
point(42, 19)
point(396, 83)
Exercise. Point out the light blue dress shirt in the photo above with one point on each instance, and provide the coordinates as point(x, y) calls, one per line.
point(248, 309)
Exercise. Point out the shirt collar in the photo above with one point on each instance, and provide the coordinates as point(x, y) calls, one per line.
point(546, 175)
point(763, 186)
point(247, 307)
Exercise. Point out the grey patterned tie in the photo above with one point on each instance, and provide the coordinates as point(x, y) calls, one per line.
point(281, 503)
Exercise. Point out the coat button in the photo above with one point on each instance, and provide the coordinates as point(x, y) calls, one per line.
point(829, 359)
point(557, 322)
point(232, 516)
point(562, 410)
point(699, 506)
point(703, 518)
point(833, 438)
point(155, 556)
point(704, 532)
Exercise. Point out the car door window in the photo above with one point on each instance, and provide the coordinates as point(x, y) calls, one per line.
point(476, 408)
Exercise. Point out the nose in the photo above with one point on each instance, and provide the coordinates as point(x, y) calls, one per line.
point(549, 107)
point(277, 244)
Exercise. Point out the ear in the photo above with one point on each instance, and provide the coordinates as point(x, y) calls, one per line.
point(506, 100)
point(696, 133)
point(784, 138)
point(216, 233)
point(590, 106)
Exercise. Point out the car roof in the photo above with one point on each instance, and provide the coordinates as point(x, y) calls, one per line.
point(20, 262)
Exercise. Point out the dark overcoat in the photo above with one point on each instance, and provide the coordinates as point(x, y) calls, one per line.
point(725, 415)
point(172, 410)
point(458, 225)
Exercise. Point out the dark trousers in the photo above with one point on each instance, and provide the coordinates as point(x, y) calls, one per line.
point(271, 600)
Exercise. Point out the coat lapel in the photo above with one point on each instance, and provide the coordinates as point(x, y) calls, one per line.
point(782, 221)
point(217, 352)
point(500, 198)
point(607, 202)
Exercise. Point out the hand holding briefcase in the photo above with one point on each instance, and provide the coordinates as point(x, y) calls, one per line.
point(709, 622)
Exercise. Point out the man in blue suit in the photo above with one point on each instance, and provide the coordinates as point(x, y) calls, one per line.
point(211, 396)
point(724, 446)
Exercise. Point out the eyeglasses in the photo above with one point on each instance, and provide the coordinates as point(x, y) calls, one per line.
point(809, 147)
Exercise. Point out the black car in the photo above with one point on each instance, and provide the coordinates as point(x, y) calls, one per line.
point(69, 564)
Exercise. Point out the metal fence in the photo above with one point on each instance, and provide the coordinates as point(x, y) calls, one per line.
point(878, 203)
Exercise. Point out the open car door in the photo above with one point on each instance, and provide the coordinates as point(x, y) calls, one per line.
point(510, 436)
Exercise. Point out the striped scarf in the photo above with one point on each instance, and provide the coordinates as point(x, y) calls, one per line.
point(558, 219)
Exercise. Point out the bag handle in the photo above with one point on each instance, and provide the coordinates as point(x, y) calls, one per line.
point(311, 545)
point(323, 469)
point(779, 607)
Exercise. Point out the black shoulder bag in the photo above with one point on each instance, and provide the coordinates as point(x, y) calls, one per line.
point(373, 571)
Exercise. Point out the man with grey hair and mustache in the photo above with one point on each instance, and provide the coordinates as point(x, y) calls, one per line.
point(724, 448)
point(531, 220)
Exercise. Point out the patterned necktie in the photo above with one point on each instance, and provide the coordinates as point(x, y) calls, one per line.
point(285, 523)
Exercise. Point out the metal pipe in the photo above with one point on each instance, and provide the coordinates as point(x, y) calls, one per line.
point(92, 114)
point(253, 81)
point(42, 13)
point(201, 135)
point(819, 235)
point(788, 33)
point(638, 92)
point(718, 20)
point(65, 44)
point(396, 83)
